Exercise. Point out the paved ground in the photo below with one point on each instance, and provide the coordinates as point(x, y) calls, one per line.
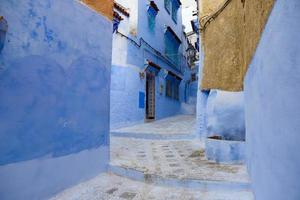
point(166, 126)
point(163, 169)
point(180, 159)
point(112, 187)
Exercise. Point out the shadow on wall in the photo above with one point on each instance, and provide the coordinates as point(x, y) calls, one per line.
point(226, 115)
point(46, 110)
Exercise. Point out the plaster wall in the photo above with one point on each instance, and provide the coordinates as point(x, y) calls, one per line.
point(230, 39)
point(202, 96)
point(128, 25)
point(225, 115)
point(54, 88)
point(225, 151)
point(189, 89)
point(272, 107)
point(43, 177)
point(208, 6)
point(127, 84)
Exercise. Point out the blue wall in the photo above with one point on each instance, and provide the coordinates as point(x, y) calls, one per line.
point(54, 88)
point(201, 106)
point(129, 59)
point(189, 90)
point(272, 96)
point(126, 86)
point(163, 19)
point(225, 115)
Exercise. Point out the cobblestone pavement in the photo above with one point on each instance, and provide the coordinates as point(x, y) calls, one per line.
point(164, 127)
point(180, 159)
point(111, 187)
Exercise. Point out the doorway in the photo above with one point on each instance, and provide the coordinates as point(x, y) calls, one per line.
point(150, 96)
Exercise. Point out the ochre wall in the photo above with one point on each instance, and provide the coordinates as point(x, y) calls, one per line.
point(208, 6)
point(230, 40)
point(105, 7)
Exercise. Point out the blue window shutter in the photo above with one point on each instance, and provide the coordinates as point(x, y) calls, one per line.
point(175, 7)
point(172, 87)
point(168, 5)
point(116, 23)
point(171, 47)
point(151, 18)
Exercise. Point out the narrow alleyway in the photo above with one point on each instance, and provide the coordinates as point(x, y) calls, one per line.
point(149, 100)
point(149, 162)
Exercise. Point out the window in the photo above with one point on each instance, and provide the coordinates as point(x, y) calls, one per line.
point(172, 7)
point(168, 5)
point(168, 88)
point(193, 77)
point(152, 12)
point(176, 90)
point(175, 7)
point(172, 87)
point(172, 43)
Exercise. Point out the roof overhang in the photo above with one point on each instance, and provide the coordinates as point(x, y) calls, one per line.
point(153, 5)
point(175, 75)
point(149, 62)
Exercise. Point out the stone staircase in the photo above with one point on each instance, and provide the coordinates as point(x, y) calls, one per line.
point(149, 162)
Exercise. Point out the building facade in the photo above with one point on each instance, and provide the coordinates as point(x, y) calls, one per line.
point(149, 66)
point(190, 26)
point(55, 59)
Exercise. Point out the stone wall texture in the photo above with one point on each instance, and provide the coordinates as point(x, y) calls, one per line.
point(230, 40)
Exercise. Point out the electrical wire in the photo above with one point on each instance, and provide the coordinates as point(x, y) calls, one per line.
point(205, 20)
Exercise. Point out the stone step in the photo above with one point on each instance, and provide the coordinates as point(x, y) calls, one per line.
point(108, 186)
point(176, 127)
point(181, 162)
point(153, 136)
point(173, 181)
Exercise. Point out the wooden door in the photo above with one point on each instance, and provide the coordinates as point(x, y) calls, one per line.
point(150, 96)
